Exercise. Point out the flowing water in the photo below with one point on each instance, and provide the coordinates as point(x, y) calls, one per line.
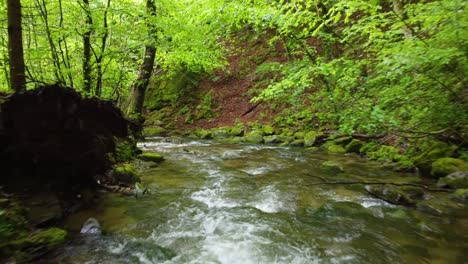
point(211, 202)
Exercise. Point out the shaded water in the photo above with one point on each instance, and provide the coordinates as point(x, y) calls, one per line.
point(219, 203)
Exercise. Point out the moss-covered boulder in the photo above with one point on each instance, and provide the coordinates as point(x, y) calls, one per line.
point(332, 148)
point(460, 195)
point(151, 156)
point(436, 151)
point(331, 167)
point(354, 146)
point(444, 166)
point(204, 134)
point(391, 154)
point(268, 130)
point(309, 138)
point(125, 174)
point(454, 180)
point(299, 135)
point(151, 131)
point(254, 137)
point(389, 194)
point(275, 139)
point(342, 141)
point(297, 143)
point(125, 150)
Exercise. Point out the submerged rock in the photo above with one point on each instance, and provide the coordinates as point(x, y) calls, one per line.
point(389, 194)
point(331, 167)
point(91, 227)
point(454, 180)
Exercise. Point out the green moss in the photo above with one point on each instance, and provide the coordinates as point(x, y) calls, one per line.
point(299, 135)
point(444, 166)
point(309, 138)
point(332, 148)
point(297, 143)
point(390, 194)
point(368, 147)
point(204, 134)
point(125, 173)
point(125, 150)
point(254, 137)
point(151, 156)
point(436, 151)
point(268, 130)
point(154, 131)
point(460, 194)
point(331, 167)
point(207, 107)
point(49, 238)
point(342, 141)
point(354, 146)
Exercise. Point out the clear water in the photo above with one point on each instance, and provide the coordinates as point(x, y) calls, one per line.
point(211, 202)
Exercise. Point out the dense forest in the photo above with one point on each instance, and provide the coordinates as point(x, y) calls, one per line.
point(81, 82)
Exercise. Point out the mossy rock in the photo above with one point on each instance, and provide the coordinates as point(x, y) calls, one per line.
point(384, 153)
point(437, 150)
point(354, 146)
point(254, 137)
point(299, 135)
point(332, 148)
point(460, 195)
point(125, 173)
point(390, 194)
point(151, 131)
point(297, 143)
point(342, 141)
point(331, 167)
point(221, 132)
point(236, 131)
point(275, 139)
point(444, 166)
point(204, 134)
point(332, 209)
point(268, 130)
point(232, 140)
point(125, 150)
point(454, 180)
point(309, 138)
point(151, 156)
point(368, 147)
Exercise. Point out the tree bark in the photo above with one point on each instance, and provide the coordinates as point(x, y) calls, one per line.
point(398, 9)
point(146, 68)
point(87, 49)
point(15, 46)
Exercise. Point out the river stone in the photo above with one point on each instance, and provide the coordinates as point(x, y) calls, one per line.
point(389, 194)
point(254, 137)
point(268, 130)
point(342, 208)
point(274, 139)
point(91, 227)
point(444, 166)
point(297, 143)
point(309, 138)
point(454, 180)
point(151, 156)
point(332, 148)
point(331, 167)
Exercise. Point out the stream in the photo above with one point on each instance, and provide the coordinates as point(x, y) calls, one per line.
point(211, 202)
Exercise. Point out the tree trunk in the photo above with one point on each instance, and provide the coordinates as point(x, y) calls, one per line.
point(146, 68)
point(398, 9)
point(100, 58)
point(87, 49)
point(15, 46)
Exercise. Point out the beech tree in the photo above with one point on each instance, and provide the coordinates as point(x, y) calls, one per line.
point(15, 46)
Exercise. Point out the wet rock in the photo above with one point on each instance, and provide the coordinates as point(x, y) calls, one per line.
point(389, 194)
point(331, 167)
point(254, 137)
point(204, 134)
point(151, 156)
point(454, 180)
point(429, 209)
point(342, 208)
point(91, 227)
point(299, 135)
point(444, 166)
